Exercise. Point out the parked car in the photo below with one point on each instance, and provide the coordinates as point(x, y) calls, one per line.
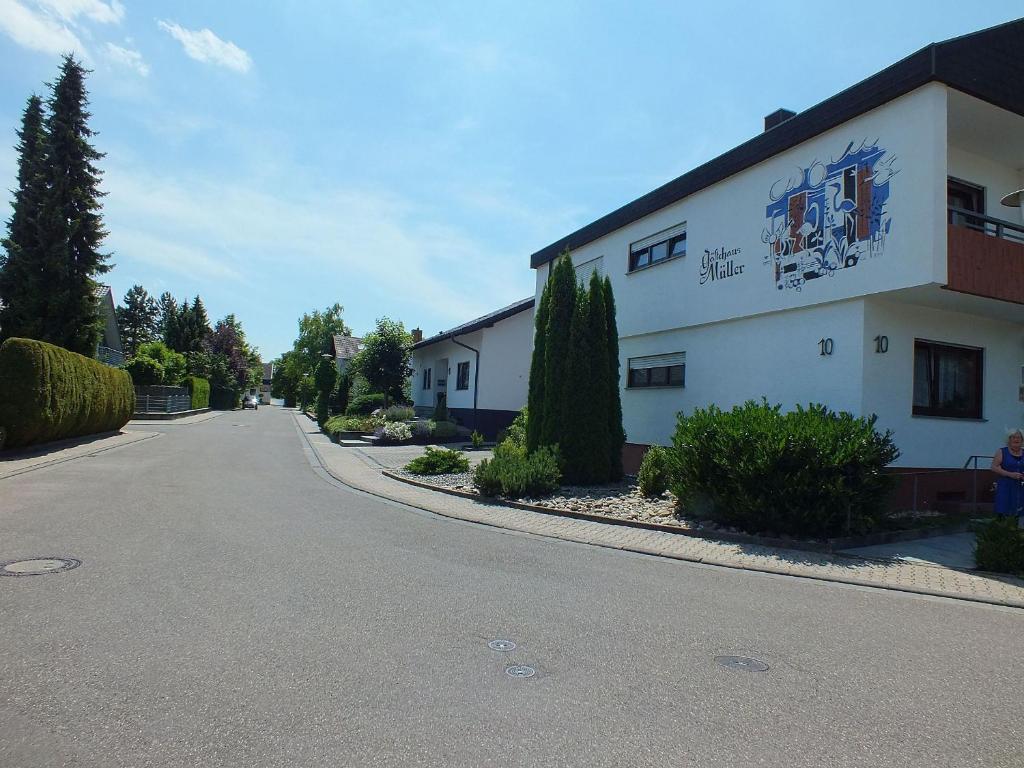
point(250, 401)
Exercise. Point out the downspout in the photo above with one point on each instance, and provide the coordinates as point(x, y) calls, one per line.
point(476, 378)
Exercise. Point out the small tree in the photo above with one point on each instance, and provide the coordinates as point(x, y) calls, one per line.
point(325, 378)
point(155, 363)
point(557, 389)
point(384, 358)
point(137, 319)
point(535, 398)
point(617, 436)
point(598, 395)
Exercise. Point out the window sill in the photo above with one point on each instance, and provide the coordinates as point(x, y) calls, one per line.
point(978, 419)
point(655, 264)
point(662, 386)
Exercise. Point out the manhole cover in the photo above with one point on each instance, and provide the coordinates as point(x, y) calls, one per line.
point(744, 663)
point(501, 645)
point(520, 670)
point(36, 566)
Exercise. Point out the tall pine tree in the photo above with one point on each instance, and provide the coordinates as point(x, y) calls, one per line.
point(535, 398)
point(70, 225)
point(562, 304)
point(137, 319)
point(20, 286)
point(618, 435)
point(166, 325)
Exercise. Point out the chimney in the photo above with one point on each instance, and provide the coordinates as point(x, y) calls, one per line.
point(417, 335)
point(776, 117)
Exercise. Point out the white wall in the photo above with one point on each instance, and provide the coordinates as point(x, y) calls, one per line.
point(732, 214)
point(997, 178)
point(776, 356)
point(505, 363)
point(889, 381)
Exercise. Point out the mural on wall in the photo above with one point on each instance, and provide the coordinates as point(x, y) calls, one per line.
point(829, 216)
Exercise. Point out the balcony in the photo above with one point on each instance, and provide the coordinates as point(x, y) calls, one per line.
point(985, 256)
point(109, 356)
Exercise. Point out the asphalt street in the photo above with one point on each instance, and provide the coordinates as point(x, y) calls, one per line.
point(235, 608)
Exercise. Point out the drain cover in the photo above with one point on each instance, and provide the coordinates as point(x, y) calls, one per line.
point(36, 566)
point(520, 670)
point(744, 663)
point(501, 645)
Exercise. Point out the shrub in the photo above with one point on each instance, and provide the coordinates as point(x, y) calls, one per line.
point(399, 413)
point(477, 439)
point(337, 424)
point(395, 432)
point(809, 472)
point(48, 393)
point(653, 475)
point(439, 461)
point(513, 474)
point(364, 405)
point(145, 371)
point(224, 398)
point(422, 429)
point(443, 430)
point(999, 546)
point(156, 363)
point(199, 389)
point(517, 430)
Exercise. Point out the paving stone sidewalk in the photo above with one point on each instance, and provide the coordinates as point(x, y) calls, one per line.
point(358, 470)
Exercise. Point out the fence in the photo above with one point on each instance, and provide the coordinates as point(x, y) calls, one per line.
point(157, 399)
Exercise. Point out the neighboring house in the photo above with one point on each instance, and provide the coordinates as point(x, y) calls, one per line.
point(480, 369)
point(856, 254)
point(344, 348)
point(109, 350)
point(268, 377)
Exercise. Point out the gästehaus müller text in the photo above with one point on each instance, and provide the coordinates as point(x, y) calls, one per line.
point(719, 264)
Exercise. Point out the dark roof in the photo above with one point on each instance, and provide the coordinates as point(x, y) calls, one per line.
point(481, 322)
point(102, 291)
point(987, 65)
point(345, 347)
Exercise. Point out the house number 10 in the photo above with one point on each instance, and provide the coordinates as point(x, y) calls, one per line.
point(881, 344)
point(826, 346)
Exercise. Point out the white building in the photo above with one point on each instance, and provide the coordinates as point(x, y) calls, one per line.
point(480, 369)
point(831, 259)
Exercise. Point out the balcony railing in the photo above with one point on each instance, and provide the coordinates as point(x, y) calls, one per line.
point(985, 256)
point(109, 356)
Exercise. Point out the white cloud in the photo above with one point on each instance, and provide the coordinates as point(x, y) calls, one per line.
point(127, 57)
point(35, 30)
point(203, 45)
point(95, 10)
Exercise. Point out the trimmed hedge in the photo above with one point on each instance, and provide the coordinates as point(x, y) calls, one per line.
point(199, 388)
point(49, 393)
point(224, 398)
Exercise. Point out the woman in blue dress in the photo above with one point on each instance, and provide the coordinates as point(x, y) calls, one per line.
point(1008, 465)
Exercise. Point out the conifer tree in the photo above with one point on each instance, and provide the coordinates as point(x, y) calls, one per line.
point(20, 289)
point(70, 225)
point(598, 392)
point(200, 324)
point(535, 398)
point(617, 436)
point(137, 319)
point(577, 414)
point(166, 326)
point(562, 304)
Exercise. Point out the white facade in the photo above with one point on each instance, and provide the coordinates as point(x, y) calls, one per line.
point(500, 387)
point(750, 328)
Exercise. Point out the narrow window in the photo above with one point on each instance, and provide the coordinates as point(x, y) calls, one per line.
point(462, 376)
point(426, 378)
point(947, 380)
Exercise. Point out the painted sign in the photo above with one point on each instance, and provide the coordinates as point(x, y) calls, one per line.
point(829, 216)
point(719, 264)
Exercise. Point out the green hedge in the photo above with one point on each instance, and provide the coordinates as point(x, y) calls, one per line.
point(364, 405)
point(200, 390)
point(224, 398)
point(49, 393)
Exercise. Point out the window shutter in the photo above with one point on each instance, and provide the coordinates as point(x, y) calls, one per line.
point(657, 361)
point(584, 270)
point(659, 237)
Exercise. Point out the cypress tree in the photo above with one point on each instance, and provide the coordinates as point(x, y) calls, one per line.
point(70, 226)
point(577, 415)
point(20, 288)
point(137, 319)
point(617, 435)
point(599, 391)
point(561, 305)
point(535, 399)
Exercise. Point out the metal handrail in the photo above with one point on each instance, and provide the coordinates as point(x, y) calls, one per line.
point(1007, 230)
point(967, 465)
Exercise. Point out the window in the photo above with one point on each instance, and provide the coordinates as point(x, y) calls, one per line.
point(966, 197)
point(587, 268)
point(668, 244)
point(947, 380)
point(462, 376)
point(657, 371)
point(426, 378)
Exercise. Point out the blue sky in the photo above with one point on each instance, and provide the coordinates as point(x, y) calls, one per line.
point(406, 160)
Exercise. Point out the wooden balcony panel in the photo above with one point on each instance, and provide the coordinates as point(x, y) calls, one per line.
point(984, 265)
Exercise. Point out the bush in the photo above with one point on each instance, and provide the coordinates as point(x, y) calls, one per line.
point(438, 461)
point(999, 546)
point(48, 393)
point(145, 371)
point(156, 363)
point(809, 472)
point(199, 389)
point(514, 475)
point(477, 439)
point(399, 413)
point(653, 475)
point(443, 430)
point(395, 432)
point(337, 424)
point(364, 405)
point(224, 398)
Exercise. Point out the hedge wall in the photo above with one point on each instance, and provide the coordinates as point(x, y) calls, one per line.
point(49, 393)
point(224, 398)
point(200, 391)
